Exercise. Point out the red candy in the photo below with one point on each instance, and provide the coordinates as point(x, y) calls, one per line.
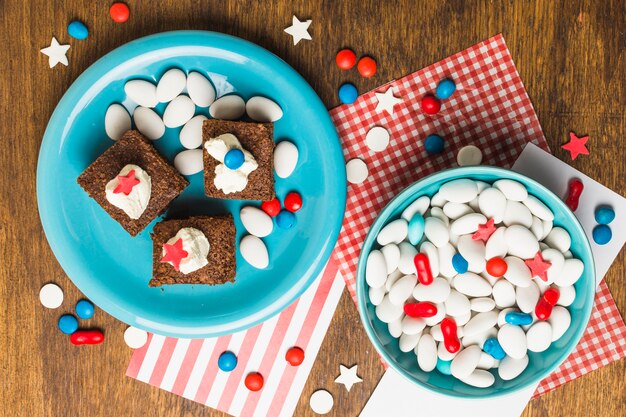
point(573, 193)
point(367, 66)
point(430, 105)
point(496, 267)
point(543, 309)
point(345, 59)
point(423, 309)
point(254, 381)
point(272, 207)
point(450, 337)
point(293, 202)
point(174, 253)
point(484, 231)
point(87, 337)
point(119, 12)
point(295, 356)
point(126, 183)
point(422, 267)
point(552, 296)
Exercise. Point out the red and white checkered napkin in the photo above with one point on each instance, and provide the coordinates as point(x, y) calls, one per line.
point(490, 109)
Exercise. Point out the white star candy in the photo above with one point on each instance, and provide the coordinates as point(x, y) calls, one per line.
point(56, 53)
point(299, 30)
point(348, 377)
point(386, 101)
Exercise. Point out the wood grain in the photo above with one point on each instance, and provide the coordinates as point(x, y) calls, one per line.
point(570, 55)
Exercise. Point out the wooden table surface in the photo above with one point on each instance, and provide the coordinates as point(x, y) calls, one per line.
point(570, 55)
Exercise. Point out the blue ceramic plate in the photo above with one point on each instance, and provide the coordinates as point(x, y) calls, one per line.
point(541, 364)
point(111, 267)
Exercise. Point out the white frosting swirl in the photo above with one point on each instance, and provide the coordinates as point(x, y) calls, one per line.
point(197, 247)
point(135, 203)
point(230, 180)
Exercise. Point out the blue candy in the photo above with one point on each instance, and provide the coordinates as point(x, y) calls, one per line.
point(492, 347)
point(602, 234)
point(416, 229)
point(444, 366)
point(348, 93)
point(77, 29)
point(434, 144)
point(68, 324)
point(518, 319)
point(604, 215)
point(227, 361)
point(445, 89)
point(84, 309)
point(285, 219)
point(459, 263)
point(234, 159)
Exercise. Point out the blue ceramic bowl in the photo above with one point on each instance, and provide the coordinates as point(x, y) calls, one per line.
point(541, 364)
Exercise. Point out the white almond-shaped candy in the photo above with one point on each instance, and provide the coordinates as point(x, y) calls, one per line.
point(178, 112)
point(480, 323)
point(517, 272)
point(479, 339)
point(459, 191)
point(402, 289)
point(418, 206)
point(486, 361)
point(148, 123)
point(539, 336)
point(527, 297)
point(230, 107)
point(391, 252)
point(496, 245)
point(256, 221)
point(141, 92)
point(171, 84)
point(471, 285)
point(443, 354)
point(200, 89)
point(432, 253)
point(512, 190)
point(504, 294)
point(407, 254)
point(408, 342)
point(570, 273)
point(467, 224)
point(465, 362)
point(538, 208)
point(438, 213)
point(482, 185)
point(502, 316)
point(560, 320)
point(387, 311)
point(395, 327)
point(436, 231)
point(392, 278)
point(446, 252)
point(474, 204)
point(375, 269)
point(558, 238)
point(191, 134)
point(413, 325)
point(437, 200)
point(517, 213)
point(394, 232)
point(480, 378)
point(521, 242)
point(492, 203)
point(556, 259)
point(568, 295)
point(457, 304)
point(455, 210)
point(189, 162)
point(547, 228)
point(285, 158)
point(513, 341)
point(254, 251)
point(376, 295)
point(262, 109)
point(462, 320)
point(436, 292)
point(426, 353)
point(473, 251)
point(537, 228)
point(511, 368)
point(482, 304)
point(436, 319)
point(116, 121)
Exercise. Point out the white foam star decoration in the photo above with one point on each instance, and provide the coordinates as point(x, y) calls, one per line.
point(299, 30)
point(56, 53)
point(386, 101)
point(348, 377)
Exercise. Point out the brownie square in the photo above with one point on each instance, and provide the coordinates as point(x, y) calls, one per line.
point(256, 138)
point(219, 231)
point(133, 148)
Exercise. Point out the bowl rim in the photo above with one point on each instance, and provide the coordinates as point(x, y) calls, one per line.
point(411, 191)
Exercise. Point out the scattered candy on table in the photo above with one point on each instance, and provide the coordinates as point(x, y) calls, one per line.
point(430, 105)
point(604, 215)
point(254, 381)
point(377, 139)
point(272, 207)
point(135, 338)
point(469, 155)
point(356, 171)
point(119, 12)
point(285, 219)
point(434, 144)
point(347, 93)
point(387, 101)
point(445, 89)
point(299, 30)
point(254, 251)
point(295, 356)
point(51, 295)
point(256, 221)
point(84, 309)
point(68, 324)
point(348, 376)
point(293, 202)
point(56, 53)
point(602, 234)
point(77, 30)
point(321, 402)
point(345, 59)
point(575, 190)
point(227, 361)
point(576, 145)
point(87, 337)
point(367, 66)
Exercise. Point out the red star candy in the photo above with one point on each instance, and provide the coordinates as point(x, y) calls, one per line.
point(576, 145)
point(127, 183)
point(484, 231)
point(538, 267)
point(174, 254)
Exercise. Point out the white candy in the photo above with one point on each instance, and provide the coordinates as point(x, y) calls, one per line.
point(467, 224)
point(191, 133)
point(492, 203)
point(377, 139)
point(408, 342)
point(433, 256)
point(171, 84)
point(517, 273)
point(437, 212)
point(256, 221)
point(503, 294)
point(262, 109)
point(527, 297)
point(480, 323)
point(474, 204)
point(482, 304)
point(438, 200)
point(462, 320)
point(465, 362)
point(436, 319)
point(189, 162)
point(496, 245)
point(512, 190)
point(413, 325)
point(459, 191)
point(557, 260)
point(455, 210)
point(480, 338)
point(321, 402)
point(560, 320)
point(375, 269)
point(148, 123)
point(285, 158)
point(480, 378)
point(392, 278)
point(517, 213)
point(538, 208)
point(394, 232)
point(469, 155)
point(570, 273)
point(141, 92)
point(418, 206)
point(511, 368)
point(457, 304)
point(407, 254)
point(116, 121)
point(230, 107)
point(376, 295)
point(254, 251)
point(513, 341)
point(472, 285)
point(135, 338)
point(436, 292)
point(443, 354)
point(436, 231)
point(473, 251)
point(568, 294)
point(521, 242)
point(426, 353)
point(395, 327)
point(537, 228)
point(558, 238)
point(502, 316)
point(539, 336)
point(401, 290)
point(482, 185)
point(179, 111)
point(547, 228)
point(387, 312)
point(200, 89)
point(51, 295)
point(391, 252)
